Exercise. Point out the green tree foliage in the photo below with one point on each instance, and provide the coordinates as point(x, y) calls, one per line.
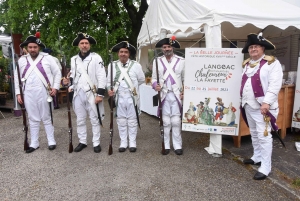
point(122, 18)
point(4, 63)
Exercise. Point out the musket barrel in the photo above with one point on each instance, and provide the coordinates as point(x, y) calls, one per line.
point(69, 123)
point(163, 150)
point(110, 149)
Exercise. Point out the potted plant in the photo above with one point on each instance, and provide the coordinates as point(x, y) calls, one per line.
point(148, 74)
point(3, 80)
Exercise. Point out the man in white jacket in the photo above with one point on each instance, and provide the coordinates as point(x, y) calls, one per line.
point(40, 77)
point(170, 83)
point(261, 83)
point(88, 83)
point(127, 76)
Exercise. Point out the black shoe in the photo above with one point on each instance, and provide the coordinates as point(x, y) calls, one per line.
point(178, 152)
point(56, 108)
point(97, 149)
point(259, 176)
point(251, 162)
point(80, 147)
point(122, 149)
point(167, 151)
point(132, 149)
point(52, 147)
point(31, 149)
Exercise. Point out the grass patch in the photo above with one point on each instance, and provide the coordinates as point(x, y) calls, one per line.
point(236, 158)
point(296, 182)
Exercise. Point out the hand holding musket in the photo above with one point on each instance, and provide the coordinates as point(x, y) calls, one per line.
point(49, 98)
point(66, 80)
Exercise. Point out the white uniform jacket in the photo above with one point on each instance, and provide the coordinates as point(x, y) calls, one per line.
point(93, 66)
point(178, 70)
point(51, 68)
point(135, 73)
point(270, 77)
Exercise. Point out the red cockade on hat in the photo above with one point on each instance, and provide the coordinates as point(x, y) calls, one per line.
point(38, 34)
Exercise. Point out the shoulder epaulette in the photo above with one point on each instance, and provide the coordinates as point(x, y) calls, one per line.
point(269, 59)
point(245, 62)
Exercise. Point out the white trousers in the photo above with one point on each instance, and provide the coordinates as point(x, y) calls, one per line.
point(81, 107)
point(171, 119)
point(38, 109)
point(126, 119)
point(262, 145)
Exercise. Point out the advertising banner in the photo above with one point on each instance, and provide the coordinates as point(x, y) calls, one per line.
point(296, 110)
point(212, 90)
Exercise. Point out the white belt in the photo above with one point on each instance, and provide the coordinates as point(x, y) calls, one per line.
point(125, 92)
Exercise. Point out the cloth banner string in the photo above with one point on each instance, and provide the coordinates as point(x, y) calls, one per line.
point(198, 41)
point(229, 40)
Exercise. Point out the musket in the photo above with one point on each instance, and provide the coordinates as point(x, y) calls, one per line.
point(111, 126)
point(25, 128)
point(161, 124)
point(63, 62)
point(69, 123)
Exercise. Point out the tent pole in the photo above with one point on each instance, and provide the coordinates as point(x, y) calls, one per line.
point(213, 39)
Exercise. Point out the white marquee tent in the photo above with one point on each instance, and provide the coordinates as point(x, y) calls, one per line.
point(189, 20)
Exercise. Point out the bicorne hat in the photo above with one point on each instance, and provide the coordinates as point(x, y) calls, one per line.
point(124, 44)
point(254, 39)
point(33, 39)
point(168, 41)
point(81, 36)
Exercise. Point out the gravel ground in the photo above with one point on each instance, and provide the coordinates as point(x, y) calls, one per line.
point(144, 175)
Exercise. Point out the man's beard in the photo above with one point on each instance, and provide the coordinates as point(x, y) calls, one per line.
point(84, 51)
point(34, 54)
point(168, 52)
